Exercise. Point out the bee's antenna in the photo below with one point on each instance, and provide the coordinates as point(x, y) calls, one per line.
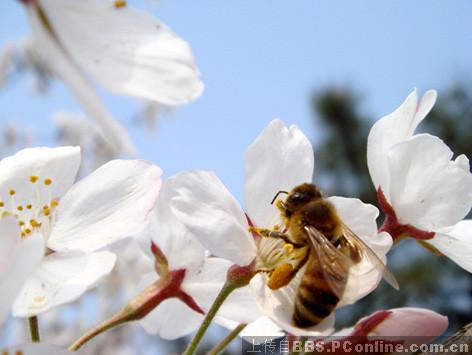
point(278, 193)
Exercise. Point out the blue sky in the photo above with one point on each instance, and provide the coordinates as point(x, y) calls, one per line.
point(260, 60)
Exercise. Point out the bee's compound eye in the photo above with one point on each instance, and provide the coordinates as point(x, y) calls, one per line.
point(296, 197)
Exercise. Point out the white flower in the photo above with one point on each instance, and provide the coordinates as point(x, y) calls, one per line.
point(125, 50)
point(424, 193)
point(36, 185)
point(279, 159)
point(196, 278)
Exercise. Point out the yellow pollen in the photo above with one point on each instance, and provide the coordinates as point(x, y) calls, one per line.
point(12, 192)
point(33, 178)
point(276, 227)
point(47, 211)
point(288, 248)
point(119, 3)
point(29, 206)
point(27, 231)
point(33, 223)
point(54, 203)
point(2, 204)
point(38, 299)
point(21, 223)
point(47, 182)
point(23, 234)
point(20, 208)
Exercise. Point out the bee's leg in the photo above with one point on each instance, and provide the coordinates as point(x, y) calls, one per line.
point(280, 205)
point(284, 273)
point(281, 276)
point(269, 233)
point(350, 249)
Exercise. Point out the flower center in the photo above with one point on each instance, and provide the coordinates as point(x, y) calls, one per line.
point(275, 249)
point(34, 212)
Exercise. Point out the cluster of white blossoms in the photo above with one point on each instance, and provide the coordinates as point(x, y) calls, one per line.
point(209, 257)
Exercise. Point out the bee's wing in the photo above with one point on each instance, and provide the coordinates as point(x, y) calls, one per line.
point(358, 247)
point(333, 264)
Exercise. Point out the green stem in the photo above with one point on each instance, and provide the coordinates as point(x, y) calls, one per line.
point(34, 329)
point(228, 287)
point(138, 308)
point(109, 323)
point(225, 342)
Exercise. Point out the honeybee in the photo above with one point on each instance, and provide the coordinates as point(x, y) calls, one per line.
point(333, 248)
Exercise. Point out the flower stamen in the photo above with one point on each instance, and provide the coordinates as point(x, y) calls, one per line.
point(35, 214)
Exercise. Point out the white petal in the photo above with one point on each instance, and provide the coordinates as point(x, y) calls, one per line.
point(110, 204)
point(278, 306)
point(262, 328)
point(392, 129)
point(205, 286)
point(240, 306)
point(126, 50)
point(58, 164)
point(61, 278)
point(213, 215)
point(279, 159)
point(361, 219)
point(456, 244)
point(72, 75)
point(18, 260)
point(428, 189)
point(180, 247)
point(172, 318)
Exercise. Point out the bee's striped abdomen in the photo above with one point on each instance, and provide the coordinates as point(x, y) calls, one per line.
point(314, 300)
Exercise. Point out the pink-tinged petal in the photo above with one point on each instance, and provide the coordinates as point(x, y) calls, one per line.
point(412, 322)
point(400, 328)
point(18, 260)
point(71, 74)
point(392, 129)
point(428, 189)
point(172, 318)
point(279, 159)
point(456, 244)
point(212, 214)
point(110, 204)
point(125, 50)
point(60, 165)
point(61, 278)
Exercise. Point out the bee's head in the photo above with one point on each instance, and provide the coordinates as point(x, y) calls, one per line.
point(298, 197)
point(301, 195)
